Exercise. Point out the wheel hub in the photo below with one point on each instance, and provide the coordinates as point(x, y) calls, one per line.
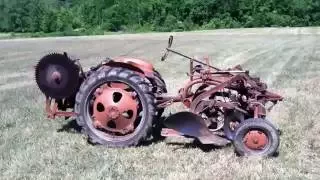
point(56, 76)
point(114, 108)
point(255, 140)
point(113, 112)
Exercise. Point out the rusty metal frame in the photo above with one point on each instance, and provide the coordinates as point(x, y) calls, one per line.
point(53, 111)
point(219, 80)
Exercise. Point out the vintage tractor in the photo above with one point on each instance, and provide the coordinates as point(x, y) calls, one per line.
point(119, 102)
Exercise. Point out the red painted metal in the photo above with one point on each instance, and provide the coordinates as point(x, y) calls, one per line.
point(143, 65)
point(115, 109)
point(255, 140)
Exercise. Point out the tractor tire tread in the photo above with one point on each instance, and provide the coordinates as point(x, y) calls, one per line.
point(131, 77)
point(258, 123)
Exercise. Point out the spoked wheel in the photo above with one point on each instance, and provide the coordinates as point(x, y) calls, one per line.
point(115, 107)
point(256, 137)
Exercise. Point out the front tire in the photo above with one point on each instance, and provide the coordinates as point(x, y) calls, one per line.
point(145, 101)
point(256, 137)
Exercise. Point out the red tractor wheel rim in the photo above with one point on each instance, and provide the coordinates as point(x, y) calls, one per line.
point(255, 140)
point(115, 108)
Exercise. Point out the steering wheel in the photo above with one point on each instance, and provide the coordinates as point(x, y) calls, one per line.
point(164, 57)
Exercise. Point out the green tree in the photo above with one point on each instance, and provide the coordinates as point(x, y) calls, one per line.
point(160, 15)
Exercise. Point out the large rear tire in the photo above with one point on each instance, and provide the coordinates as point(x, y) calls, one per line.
point(145, 109)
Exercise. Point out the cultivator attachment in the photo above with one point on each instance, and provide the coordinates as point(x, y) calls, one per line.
point(190, 124)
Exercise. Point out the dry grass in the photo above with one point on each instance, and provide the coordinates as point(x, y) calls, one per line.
point(288, 59)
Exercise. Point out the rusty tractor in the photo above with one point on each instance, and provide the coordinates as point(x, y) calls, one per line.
point(119, 102)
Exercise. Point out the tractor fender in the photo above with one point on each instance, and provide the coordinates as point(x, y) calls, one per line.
point(141, 66)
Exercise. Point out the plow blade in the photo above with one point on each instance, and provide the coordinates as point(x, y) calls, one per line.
point(190, 124)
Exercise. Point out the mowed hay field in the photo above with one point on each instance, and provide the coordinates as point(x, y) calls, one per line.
point(288, 59)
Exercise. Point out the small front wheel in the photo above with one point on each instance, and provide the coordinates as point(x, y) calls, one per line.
point(256, 137)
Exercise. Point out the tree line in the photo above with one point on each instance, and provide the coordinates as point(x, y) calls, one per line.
point(96, 16)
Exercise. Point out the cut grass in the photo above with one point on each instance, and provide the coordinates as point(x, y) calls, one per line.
point(34, 148)
point(52, 34)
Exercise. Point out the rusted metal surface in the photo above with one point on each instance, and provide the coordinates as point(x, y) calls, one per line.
point(255, 92)
point(255, 140)
point(52, 110)
point(211, 91)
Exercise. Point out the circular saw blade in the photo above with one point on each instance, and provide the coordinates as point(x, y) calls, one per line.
point(57, 76)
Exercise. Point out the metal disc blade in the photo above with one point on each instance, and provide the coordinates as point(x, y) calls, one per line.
point(57, 76)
